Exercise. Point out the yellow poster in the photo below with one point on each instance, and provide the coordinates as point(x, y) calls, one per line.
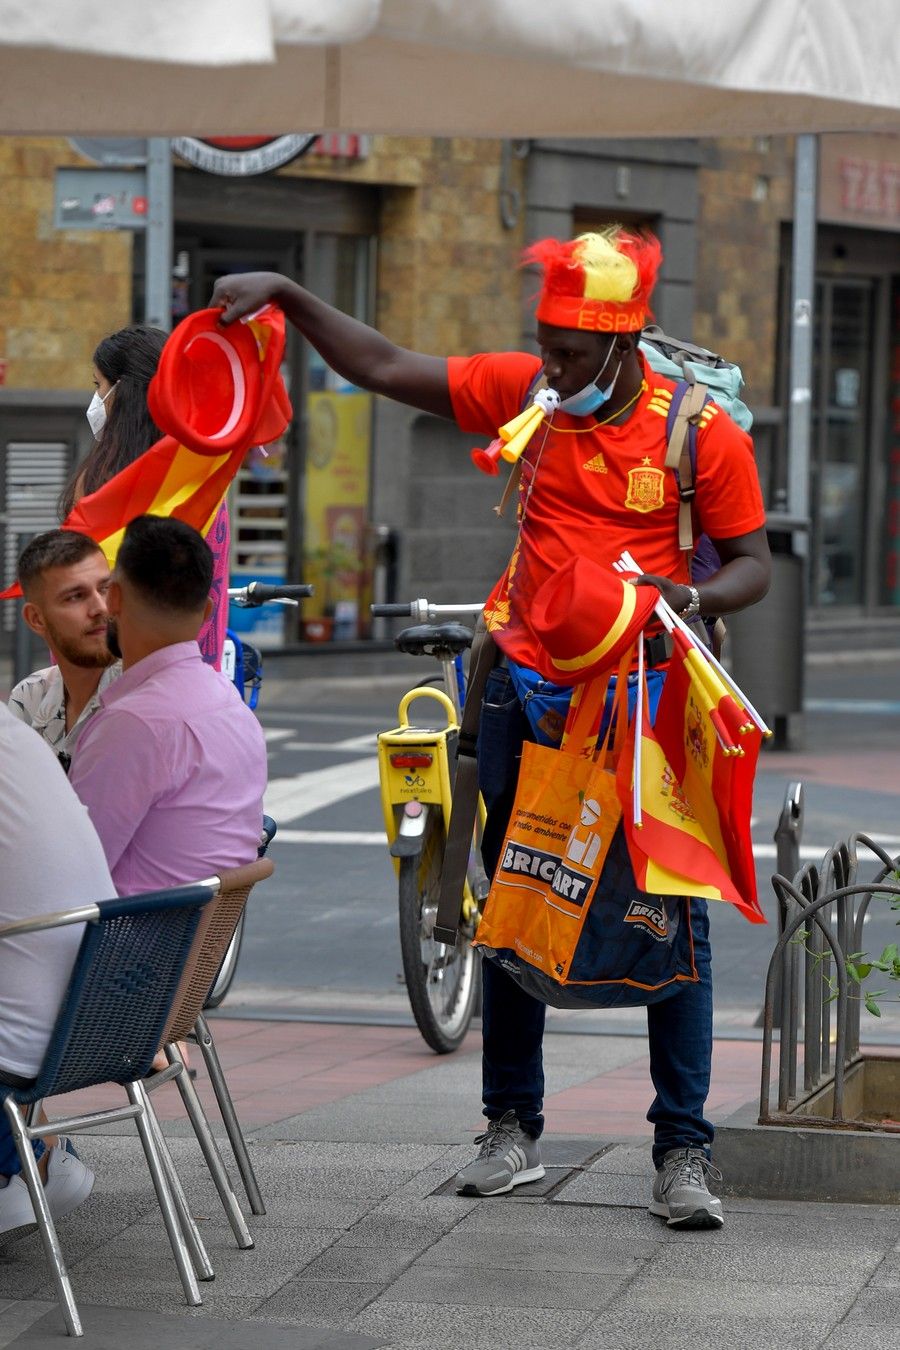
point(336, 502)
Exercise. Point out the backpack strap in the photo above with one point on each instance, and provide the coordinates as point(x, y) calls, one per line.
point(688, 401)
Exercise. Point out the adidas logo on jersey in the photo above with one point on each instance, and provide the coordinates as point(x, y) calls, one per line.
point(595, 465)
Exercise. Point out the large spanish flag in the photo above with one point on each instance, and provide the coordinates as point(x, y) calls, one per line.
point(216, 393)
point(678, 847)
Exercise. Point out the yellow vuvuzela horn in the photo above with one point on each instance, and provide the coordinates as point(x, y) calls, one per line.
point(517, 433)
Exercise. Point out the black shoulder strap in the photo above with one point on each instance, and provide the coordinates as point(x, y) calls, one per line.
point(465, 791)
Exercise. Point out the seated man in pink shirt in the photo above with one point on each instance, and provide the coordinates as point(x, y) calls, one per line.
point(172, 767)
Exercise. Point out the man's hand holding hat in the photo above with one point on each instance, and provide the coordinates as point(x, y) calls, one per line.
point(676, 595)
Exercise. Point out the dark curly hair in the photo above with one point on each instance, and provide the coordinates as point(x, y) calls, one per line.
point(128, 359)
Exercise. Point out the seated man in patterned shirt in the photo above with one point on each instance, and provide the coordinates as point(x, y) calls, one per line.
point(64, 578)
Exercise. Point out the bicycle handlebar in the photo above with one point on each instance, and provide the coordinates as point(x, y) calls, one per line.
point(257, 593)
point(422, 611)
point(391, 611)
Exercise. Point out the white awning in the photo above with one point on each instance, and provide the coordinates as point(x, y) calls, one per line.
point(601, 68)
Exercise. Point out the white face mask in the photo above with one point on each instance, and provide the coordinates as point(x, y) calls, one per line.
point(96, 411)
point(592, 397)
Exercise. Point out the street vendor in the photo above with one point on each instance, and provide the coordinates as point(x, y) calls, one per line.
point(592, 483)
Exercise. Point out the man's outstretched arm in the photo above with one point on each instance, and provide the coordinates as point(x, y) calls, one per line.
point(360, 353)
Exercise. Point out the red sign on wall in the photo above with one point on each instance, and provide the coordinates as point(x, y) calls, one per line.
point(246, 156)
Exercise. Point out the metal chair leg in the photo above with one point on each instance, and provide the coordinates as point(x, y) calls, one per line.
point(229, 1117)
point(210, 1150)
point(164, 1196)
point(44, 1219)
point(199, 1255)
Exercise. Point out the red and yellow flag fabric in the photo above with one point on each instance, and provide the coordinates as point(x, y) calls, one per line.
point(712, 745)
point(690, 839)
point(217, 392)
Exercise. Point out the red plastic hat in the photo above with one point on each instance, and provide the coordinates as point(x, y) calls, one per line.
point(586, 617)
point(210, 386)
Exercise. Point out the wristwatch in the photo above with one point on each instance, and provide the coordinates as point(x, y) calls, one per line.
point(692, 608)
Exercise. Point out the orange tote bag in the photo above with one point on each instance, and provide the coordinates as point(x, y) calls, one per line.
point(559, 834)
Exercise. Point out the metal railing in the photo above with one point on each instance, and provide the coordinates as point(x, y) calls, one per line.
point(808, 984)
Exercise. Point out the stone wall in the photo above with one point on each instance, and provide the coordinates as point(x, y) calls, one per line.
point(60, 290)
point(746, 189)
point(448, 280)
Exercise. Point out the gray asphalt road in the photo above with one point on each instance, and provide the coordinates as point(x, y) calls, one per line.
point(321, 936)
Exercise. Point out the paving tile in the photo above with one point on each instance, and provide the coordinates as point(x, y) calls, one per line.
point(605, 1188)
point(19, 1315)
point(694, 1298)
point(889, 1271)
point(317, 1302)
point(110, 1328)
point(136, 1262)
point(601, 1256)
point(876, 1307)
point(398, 1230)
point(660, 1331)
point(366, 1264)
point(489, 1286)
point(387, 1157)
point(496, 1216)
point(859, 1336)
point(777, 1263)
point(445, 1327)
point(625, 1160)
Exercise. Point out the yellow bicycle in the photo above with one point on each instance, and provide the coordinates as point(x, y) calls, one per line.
point(416, 769)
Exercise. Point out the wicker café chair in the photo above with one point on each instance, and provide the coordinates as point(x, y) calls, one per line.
point(112, 1018)
point(186, 1022)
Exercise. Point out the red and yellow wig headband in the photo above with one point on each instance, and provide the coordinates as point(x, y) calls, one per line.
point(599, 282)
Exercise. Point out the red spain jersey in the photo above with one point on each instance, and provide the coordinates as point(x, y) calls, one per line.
point(595, 490)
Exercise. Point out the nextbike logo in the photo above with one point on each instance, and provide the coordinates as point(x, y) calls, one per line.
point(548, 867)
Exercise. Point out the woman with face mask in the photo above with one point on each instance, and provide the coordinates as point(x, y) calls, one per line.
point(124, 364)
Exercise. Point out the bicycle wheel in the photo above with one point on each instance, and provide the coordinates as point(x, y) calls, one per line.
point(222, 982)
point(442, 982)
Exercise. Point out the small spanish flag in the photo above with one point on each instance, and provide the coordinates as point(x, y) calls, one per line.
point(681, 844)
point(712, 746)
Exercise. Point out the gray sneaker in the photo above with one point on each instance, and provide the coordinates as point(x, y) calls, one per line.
point(680, 1193)
point(508, 1157)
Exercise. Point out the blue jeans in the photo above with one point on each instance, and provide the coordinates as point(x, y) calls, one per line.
point(679, 1028)
point(10, 1164)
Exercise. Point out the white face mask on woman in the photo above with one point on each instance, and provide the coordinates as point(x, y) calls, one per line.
point(96, 411)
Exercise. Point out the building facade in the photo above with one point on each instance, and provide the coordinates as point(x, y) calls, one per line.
point(422, 237)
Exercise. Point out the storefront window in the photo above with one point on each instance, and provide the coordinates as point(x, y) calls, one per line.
point(843, 352)
point(890, 549)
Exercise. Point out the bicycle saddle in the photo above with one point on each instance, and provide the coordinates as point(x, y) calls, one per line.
point(434, 639)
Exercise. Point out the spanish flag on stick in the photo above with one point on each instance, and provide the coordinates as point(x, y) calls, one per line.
point(216, 393)
point(711, 747)
point(676, 846)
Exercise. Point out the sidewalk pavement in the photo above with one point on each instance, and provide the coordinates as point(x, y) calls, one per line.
point(356, 1133)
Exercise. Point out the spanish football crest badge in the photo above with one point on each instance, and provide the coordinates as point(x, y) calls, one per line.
point(646, 488)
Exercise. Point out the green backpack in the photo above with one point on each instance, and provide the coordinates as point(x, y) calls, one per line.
point(679, 360)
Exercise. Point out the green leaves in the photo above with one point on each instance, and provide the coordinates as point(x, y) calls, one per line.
point(858, 965)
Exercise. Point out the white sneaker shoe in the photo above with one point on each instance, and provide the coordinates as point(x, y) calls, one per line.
point(68, 1183)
